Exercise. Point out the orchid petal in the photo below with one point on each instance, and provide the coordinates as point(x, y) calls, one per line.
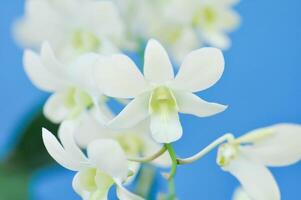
point(200, 70)
point(82, 70)
point(157, 65)
point(135, 112)
point(240, 194)
point(51, 63)
point(108, 156)
point(255, 178)
point(217, 39)
point(166, 127)
point(66, 134)
point(59, 154)
point(40, 76)
point(185, 44)
point(103, 182)
point(124, 194)
point(280, 148)
point(78, 187)
point(192, 104)
point(230, 19)
point(102, 11)
point(54, 109)
point(118, 76)
point(89, 129)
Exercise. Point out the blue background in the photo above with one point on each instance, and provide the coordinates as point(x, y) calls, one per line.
point(261, 84)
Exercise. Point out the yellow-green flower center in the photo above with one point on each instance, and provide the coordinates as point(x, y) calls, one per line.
point(227, 153)
point(76, 101)
point(87, 179)
point(171, 35)
point(204, 17)
point(96, 182)
point(131, 144)
point(162, 100)
point(85, 41)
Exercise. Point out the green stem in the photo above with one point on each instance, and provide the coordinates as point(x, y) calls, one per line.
point(150, 158)
point(171, 189)
point(174, 160)
point(171, 185)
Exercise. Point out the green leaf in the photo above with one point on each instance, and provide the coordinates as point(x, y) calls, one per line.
point(30, 153)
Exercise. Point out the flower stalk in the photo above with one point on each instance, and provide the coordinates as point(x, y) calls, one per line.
point(150, 158)
point(174, 164)
point(170, 176)
point(227, 137)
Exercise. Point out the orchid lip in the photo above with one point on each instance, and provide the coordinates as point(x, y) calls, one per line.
point(162, 99)
point(226, 153)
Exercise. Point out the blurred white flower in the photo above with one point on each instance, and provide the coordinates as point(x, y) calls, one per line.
point(214, 19)
point(72, 84)
point(105, 165)
point(71, 27)
point(158, 94)
point(240, 194)
point(181, 25)
point(135, 141)
point(248, 157)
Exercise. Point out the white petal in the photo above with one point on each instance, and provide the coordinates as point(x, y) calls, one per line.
point(157, 65)
point(41, 77)
point(118, 76)
point(255, 178)
point(187, 42)
point(133, 167)
point(66, 134)
point(103, 182)
point(89, 129)
point(200, 70)
point(95, 14)
point(82, 72)
point(229, 20)
point(78, 188)
point(102, 112)
point(52, 63)
point(124, 194)
point(108, 156)
point(135, 112)
point(40, 22)
point(217, 39)
point(58, 153)
point(192, 104)
point(166, 127)
point(229, 2)
point(282, 148)
point(240, 194)
point(54, 108)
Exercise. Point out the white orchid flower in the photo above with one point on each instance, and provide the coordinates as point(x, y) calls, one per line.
point(135, 141)
point(72, 27)
point(240, 194)
point(248, 157)
point(105, 165)
point(210, 20)
point(213, 19)
point(200, 23)
point(71, 84)
point(159, 95)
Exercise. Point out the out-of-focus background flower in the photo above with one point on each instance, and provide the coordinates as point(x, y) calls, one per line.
point(261, 85)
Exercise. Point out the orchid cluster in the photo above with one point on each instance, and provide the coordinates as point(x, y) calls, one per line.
point(75, 51)
point(74, 27)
